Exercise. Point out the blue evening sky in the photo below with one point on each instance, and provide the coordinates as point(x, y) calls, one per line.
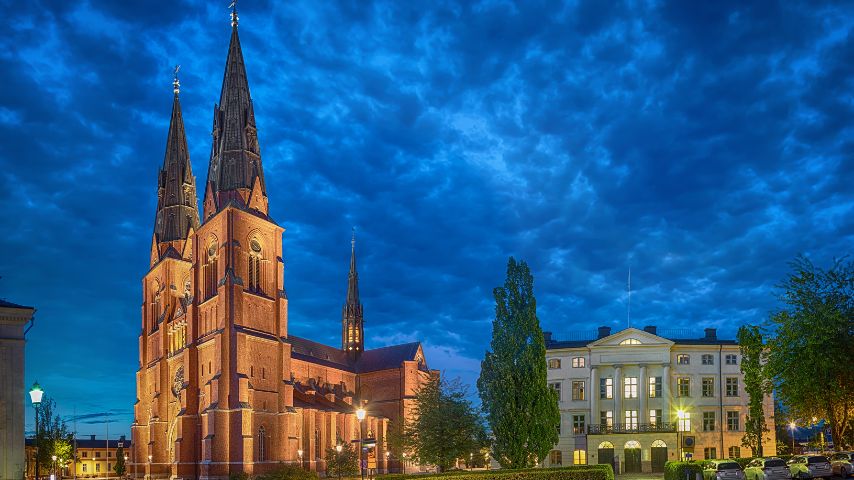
point(702, 144)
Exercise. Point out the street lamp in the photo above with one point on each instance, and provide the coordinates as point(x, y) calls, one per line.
point(338, 449)
point(360, 415)
point(404, 462)
point(680, 416)
point(149, 465)
point(53, 475)
point(387, 454)
point(471, 460)
point(36, 397)
point(792, 428)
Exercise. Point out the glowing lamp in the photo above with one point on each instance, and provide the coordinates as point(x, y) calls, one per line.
point(36, 394)
point(338, 448)
point(360, 413)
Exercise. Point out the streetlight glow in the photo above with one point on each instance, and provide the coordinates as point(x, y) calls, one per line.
point(360, 413)
point(36, 394)
point(792, 425)
point(338, 448)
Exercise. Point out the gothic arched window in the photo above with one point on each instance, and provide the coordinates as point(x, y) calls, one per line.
point(211, 270)
point(255, 271)
point(262, 445)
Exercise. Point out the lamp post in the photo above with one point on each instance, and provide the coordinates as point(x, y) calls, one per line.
point(360, 414)
point(53, 475)
point(338, 449)
point(680, 416)
point(299, 454)
point(387, 454)
point(792, 429)
point(471, 460)
point(36, 393)
point(404, 462)
point(149, 465)
point(126, 466)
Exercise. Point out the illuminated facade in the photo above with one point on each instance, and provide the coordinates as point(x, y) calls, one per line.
point(222, 387)
point(637, 399)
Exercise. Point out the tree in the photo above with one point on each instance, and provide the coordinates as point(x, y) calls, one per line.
point(120, 467)
point(53, 436)
point(444, 426)
point(755, 384)
point(344, 463)
point(809, 357)
point(521, 409)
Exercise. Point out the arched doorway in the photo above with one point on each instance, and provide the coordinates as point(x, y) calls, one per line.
point(632, 452)
point(606, 453)
point(658, 455)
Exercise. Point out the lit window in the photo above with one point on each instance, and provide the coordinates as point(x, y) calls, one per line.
point(579, 457)
point(654, 387)
point(630, 341)
point(708, 360)
point(732, 387)
point(683, 387)
point(554, 363)
point(606, 418)
point(630, 387)
point(683, 421)
point(655, 416)
point(631, 419)
point(577, 362)
point(732, 359)
point(708, 387)
point(578, 389)
point(606, 387)
point(683, 359)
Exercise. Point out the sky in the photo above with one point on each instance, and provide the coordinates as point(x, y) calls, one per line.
point(702, 144)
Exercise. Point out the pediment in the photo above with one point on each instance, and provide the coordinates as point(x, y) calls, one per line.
point(631, 337)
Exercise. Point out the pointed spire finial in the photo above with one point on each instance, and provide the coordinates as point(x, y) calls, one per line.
point(234, 17)
point(353, 240)
point(176, 85)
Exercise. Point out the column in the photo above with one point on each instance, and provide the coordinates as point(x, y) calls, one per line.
point(594, 396)
point(618, 395)
point(665, 394)
point(643, 394)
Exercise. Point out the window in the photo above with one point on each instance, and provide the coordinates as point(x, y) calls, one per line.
point(578, 389)
point(255, 260)
point(109, 454)
point(578, 424)
point(654, 387)
point(606, 418)
point(683, 421)
point(84, 468)
point(577, 362)
point(554, 363)
point(558, 428)
point(655, 416)
point(555, 457)
point(97, 467)
point(262, 445)
point(211, 270)
point(708, 421)
point(732, 421)
point(710, 453)
point(630, 387)
point(97, 454)
point(85, 454)
point(630, 341)
point(732, 387)
point(556, 388)
point(579, 457)
point(708, 359)
point(606, 387)
point(734, 452)
point(708, 387)
point(683, 359)
point(731, 359)
point(683, 387)
point(109, 465)
point(632, 419)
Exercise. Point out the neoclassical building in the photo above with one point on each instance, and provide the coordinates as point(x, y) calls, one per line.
point(222, 386)
point(637, 399)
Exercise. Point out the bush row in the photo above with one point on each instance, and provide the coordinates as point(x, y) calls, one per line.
point(682, 470)
point(576, 472)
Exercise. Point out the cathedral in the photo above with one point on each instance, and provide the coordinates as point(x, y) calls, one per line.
point(222, 388)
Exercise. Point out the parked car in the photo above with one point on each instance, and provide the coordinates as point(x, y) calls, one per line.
point(810, 466)
point(723, 470)
point(771, 468)
point(842, 464)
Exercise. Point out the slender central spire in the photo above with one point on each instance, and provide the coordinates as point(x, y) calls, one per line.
point(352, 320)
point(177, 204)
point(235, 174)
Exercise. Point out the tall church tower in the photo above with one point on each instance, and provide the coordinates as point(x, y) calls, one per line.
point(352, 336)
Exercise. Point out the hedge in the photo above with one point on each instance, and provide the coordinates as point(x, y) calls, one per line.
point(575, 472)
point(682, 470)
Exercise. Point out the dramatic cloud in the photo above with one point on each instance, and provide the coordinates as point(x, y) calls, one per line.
point(702, 146)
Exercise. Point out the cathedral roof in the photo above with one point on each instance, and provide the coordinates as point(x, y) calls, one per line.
point(373, 360)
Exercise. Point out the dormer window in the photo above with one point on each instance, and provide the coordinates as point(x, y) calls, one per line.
point(630, 341)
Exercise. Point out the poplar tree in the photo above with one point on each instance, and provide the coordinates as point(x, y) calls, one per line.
point(755, 384)
point(521, 410)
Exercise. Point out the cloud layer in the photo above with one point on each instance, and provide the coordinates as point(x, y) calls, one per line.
point(702, 146)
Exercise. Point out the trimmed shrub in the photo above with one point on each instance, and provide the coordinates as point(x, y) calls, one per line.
point(575, 472)
point(288, 472)
point(682, 470)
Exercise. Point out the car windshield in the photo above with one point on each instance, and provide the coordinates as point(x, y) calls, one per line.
point(729, 466)
point(775, 463)
point(817, 460)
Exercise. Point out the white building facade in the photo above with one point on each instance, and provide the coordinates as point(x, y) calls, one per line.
point(635, 399)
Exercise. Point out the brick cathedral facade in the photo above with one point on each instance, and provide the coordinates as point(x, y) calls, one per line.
point(222, 387)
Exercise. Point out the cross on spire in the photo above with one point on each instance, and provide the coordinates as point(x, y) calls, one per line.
point(176, 85)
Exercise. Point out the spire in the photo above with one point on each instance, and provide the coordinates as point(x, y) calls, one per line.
point(235, 163)
point(352, 320)
point(177, 205)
